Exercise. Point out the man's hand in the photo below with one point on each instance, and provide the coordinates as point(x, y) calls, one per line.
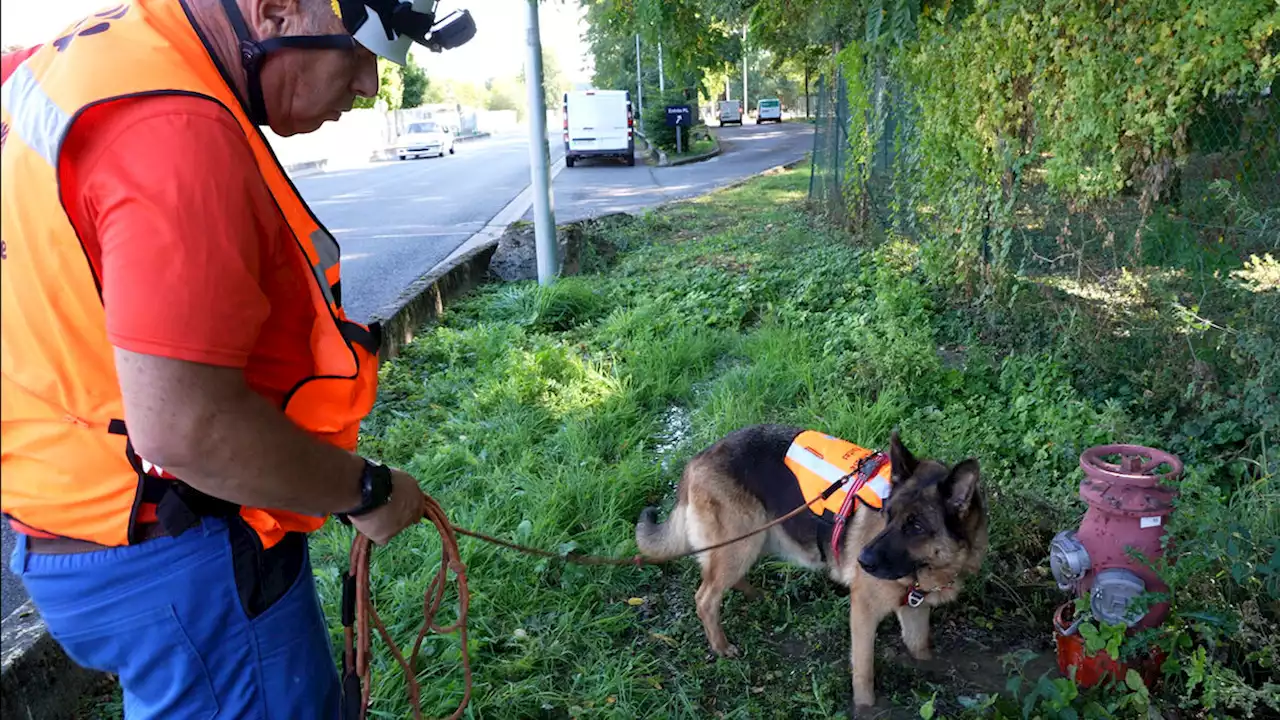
point(402, 510)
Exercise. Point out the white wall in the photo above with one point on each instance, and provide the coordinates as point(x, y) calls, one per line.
point(353, 139)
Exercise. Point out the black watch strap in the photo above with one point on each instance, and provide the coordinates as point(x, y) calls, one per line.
point(375, 490)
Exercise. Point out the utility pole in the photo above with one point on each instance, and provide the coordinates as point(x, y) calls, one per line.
point(639, 85)
point(746, 103)
point(662, 78)
point(544, 219)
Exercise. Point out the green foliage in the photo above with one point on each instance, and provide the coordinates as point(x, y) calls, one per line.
point(657, 131)
point(390, 88)
point(553, 415)
point(415, 82)
point(505, 94)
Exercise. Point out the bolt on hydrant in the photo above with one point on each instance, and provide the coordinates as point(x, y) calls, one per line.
point(1129, 505)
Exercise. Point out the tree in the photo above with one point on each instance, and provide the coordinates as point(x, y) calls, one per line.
point(505, 94)
point(415, 83)
point(390, 87)
point(554, 83)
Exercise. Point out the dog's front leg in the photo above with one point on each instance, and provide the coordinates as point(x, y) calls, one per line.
point(862, 649)
point(915, 630)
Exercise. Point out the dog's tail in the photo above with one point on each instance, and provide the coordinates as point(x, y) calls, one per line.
point(660, 541)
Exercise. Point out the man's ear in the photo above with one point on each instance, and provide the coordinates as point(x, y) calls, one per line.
point(903, 463)
point(960, 486)
point(276, 18)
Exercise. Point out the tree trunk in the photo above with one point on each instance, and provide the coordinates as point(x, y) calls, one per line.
point(806, 92)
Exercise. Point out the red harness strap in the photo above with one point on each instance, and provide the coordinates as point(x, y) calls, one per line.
point(867, 469)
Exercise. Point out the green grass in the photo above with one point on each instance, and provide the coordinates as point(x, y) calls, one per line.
point(699, 146)
point(552, 416)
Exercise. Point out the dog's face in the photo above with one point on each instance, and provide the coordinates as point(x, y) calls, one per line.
point(931, 517)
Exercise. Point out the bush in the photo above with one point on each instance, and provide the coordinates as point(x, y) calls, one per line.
point(656, 130)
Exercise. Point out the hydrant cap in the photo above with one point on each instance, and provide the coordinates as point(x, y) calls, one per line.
point(1068, 559)
point(1112, 597)
point(1138, 465)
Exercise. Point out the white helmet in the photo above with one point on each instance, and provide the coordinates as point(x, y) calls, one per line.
point(388, 27)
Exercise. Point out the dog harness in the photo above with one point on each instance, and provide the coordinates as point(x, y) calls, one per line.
point(835, 475)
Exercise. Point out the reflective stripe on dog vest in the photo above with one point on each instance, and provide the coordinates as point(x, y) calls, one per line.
point(68, 467)
point(818, 460)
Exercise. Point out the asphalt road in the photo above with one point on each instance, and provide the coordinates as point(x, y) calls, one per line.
point(598, 187)
point(396, 220)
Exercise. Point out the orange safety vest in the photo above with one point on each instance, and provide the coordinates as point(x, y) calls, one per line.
point(818, 460)
point(67, 464)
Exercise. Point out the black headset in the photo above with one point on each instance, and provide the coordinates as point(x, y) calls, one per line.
point(397, 18)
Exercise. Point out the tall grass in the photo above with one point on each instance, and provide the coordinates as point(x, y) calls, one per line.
point(554, 415)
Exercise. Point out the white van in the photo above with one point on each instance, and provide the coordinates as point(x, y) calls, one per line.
point(730, 112)
point(769, 110)
point(598, 123)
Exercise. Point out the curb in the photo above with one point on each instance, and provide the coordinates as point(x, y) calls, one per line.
point(311, 166)
point(650, 153)
point(460, 271)
point(663, 160)
point(37, 679)
point(306, 166)
point(426, 298)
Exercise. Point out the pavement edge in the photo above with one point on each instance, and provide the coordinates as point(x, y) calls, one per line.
point(37, 680)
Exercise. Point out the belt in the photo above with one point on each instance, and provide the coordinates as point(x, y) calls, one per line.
point(72, 546)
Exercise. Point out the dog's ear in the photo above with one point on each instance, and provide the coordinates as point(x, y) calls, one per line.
point(959, 487)
point(902, 462)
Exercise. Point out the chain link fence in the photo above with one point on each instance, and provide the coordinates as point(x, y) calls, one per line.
point(1220, 190)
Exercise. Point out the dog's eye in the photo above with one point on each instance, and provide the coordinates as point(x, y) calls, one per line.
point(913, 526)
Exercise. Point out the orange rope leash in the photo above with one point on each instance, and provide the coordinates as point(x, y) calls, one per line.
point(358, 610)
point(358, 607)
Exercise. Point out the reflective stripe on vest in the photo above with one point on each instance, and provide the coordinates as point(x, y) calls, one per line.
point(818, 460)
point(64, 473)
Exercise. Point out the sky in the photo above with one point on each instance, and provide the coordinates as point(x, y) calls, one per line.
point(497, 50)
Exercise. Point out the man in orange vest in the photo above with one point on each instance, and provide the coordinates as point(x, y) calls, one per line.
point(182, 390)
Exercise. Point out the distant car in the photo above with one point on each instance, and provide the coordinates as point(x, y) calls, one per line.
point(769, 110)
point(731, 112)
point(424, 138)
point(598, 123)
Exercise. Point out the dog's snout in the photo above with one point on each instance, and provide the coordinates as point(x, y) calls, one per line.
point(868, 560)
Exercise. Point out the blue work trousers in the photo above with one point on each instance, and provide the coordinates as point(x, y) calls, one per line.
point(184, 624)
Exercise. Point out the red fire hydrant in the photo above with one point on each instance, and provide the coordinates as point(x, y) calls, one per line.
point(1128, 508)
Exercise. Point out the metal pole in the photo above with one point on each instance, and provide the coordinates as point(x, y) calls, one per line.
point(639, 86)
point(746, 103)
point(544, 220)
point(662, 78)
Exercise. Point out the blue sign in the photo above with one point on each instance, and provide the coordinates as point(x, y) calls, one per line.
point(679, 115)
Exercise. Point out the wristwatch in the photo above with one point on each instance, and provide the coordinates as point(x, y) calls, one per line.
point(375, 490)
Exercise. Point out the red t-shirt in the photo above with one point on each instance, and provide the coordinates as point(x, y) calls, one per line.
point(195, 259)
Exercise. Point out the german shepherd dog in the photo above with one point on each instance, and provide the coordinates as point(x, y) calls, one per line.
point(905, 558)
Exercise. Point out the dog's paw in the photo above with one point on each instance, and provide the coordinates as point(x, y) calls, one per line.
point(921, 654)
point(862, 704)
point(728, 651)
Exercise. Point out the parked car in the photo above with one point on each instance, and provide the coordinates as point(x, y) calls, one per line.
point(598, 123)
point(731, 112)
point(425, 138)
point(768, 110)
